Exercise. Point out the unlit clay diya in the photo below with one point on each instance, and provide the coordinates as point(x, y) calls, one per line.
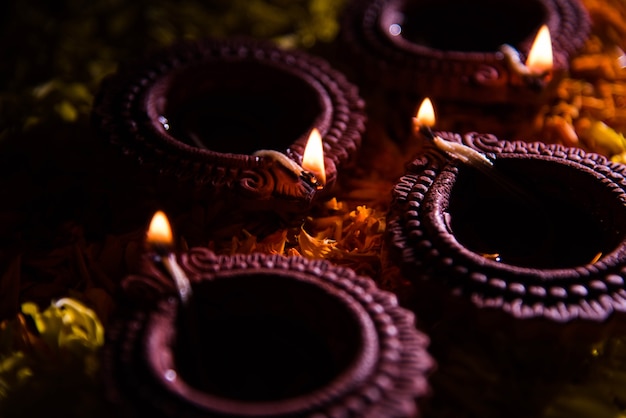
point(459, 53)
point(202, 114)
point(276, 336)
point(542, 234)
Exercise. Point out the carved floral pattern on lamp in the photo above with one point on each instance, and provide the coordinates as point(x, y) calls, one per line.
point(278, 337)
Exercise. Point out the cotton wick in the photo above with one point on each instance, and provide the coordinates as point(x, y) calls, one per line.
point(462, 153)
point(456, 150)
point(160, 240)
point(473, 158)
point(181, 280)
point(291, 166)
point(514, 60)
point(428, 133)
point(534, 80)
point(282, 159)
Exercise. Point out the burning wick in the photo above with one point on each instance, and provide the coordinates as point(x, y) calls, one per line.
point(160, 239)
point(312, 169)
point(425, 119)
point(540, 58)
point(313, 157)
point(423, 122)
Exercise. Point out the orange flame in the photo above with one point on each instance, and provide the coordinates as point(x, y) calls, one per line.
point(426, 114)
point(540, 58)
point(313, 158)
point(159, 231)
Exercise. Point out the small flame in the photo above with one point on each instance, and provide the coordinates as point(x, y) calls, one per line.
point(313, 158)
point(426, 114)
point(159, 232)
point(540, 59)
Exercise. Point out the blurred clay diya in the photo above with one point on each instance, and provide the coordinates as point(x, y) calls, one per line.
point(227, 122)
point(465, 54)
point(275, 336)
point(540, 234)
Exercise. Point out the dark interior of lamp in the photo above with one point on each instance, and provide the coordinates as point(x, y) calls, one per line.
point(535, 213)
point(238, 107)
point(267, 338)
point(459, 25)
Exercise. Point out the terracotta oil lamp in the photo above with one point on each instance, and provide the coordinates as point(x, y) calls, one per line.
point(539, 234)
point(475, 59)
point(225, 123)
point(274, 337)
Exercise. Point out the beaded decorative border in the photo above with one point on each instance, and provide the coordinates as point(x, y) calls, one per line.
point(592, 291)
point(399, 376)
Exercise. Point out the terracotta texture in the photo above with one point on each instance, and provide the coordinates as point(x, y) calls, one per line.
point(543, 235)
point(195, 113)
point(276, 336)
point(451, 49)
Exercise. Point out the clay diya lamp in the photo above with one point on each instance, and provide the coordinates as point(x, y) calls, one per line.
point(536, 243)
point(201, 115)
point(543, 234)
point(522, 263)
point(276, 337)
point(467, 56)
